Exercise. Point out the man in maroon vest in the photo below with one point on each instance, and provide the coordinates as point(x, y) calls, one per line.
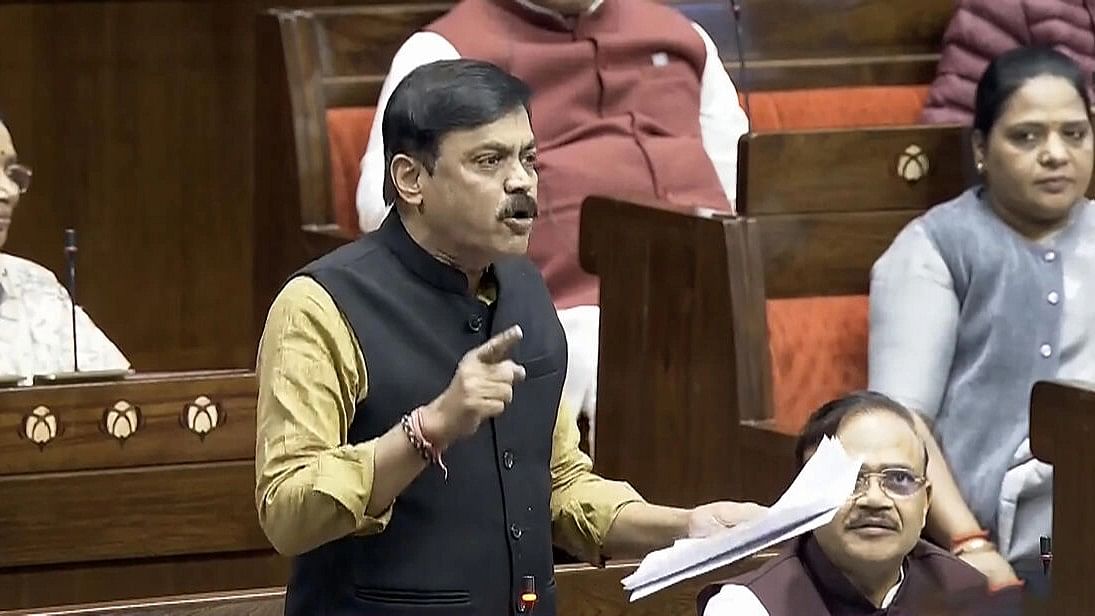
point(870, 559)
point(630, 99)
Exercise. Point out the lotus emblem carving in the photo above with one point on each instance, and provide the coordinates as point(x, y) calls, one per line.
point(121, 420)
point(912, 164)
point(202, 416)
point(40, 426)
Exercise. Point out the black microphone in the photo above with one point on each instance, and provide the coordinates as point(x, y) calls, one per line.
point(743, 78)
point(70, 261)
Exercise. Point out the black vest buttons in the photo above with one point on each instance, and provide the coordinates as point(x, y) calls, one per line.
point(475, 324)
point(507, 459)
point(515, 531)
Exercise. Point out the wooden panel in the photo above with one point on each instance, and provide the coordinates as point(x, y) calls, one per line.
point(1062, 429)
point(582, 591)
point(798, 172)
point(155, 511)
point(361, 42)
point(825, 254)
point(667, 384)
point(769, 456)
point(821, 227)
point(161, 434)
point(137, 117)
point(34, 587)
point(793, 44)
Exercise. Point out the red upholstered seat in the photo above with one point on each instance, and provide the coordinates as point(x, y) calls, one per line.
point(819, 352)
point(348, 134)
point(857, 107)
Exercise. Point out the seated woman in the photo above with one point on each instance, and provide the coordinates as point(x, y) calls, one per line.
point(35, 312)
point(984, 295)
point(983, 29)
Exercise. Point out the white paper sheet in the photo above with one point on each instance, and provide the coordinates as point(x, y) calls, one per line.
point(820, 489)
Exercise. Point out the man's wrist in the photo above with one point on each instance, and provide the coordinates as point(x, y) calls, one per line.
point(434, 427)
point(971, 542)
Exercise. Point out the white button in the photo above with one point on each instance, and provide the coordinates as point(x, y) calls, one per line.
point(1053, 297)
point(1050, 256)
point(1046, 350)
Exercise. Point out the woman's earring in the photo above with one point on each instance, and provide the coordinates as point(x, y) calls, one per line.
point(980, 166)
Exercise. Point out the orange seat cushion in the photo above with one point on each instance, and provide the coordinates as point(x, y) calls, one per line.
point(347, 134)
point(849, 107)
point(348, 127)
point(819, 352)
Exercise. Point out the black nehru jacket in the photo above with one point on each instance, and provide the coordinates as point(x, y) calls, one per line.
point(459, 546)
point(803, 581)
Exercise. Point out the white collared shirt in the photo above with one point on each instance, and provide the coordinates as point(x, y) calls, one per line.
point(722, 120)
point(36, 325)
point(735, 600)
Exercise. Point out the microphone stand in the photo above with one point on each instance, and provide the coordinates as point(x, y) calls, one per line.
point(70, 262)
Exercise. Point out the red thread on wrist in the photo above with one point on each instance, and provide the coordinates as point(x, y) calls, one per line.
point(433, 451)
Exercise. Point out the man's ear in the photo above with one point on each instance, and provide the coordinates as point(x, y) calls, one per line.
point(406, 174)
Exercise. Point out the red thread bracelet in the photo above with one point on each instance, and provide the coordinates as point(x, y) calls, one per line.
point(431, 450)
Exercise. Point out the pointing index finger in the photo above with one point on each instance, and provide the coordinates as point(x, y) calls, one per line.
point(498, 348)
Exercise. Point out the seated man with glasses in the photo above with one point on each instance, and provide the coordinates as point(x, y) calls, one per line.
point(869, 559)
point(35, 311)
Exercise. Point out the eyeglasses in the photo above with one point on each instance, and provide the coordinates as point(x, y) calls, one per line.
point(20, 175)
point(896, 482)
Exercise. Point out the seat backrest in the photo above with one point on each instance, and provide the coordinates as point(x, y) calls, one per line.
point(798, 44)
point(318, 75)
point(831, 108)
point(822, 207)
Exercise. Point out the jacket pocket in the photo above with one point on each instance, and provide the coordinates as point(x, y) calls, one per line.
point(397, 602)
point(542, 365)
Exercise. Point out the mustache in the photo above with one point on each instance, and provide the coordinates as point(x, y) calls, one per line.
point(520, 205)
point(881, 521)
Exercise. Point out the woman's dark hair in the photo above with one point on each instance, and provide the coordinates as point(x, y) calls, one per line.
point(1010, 70)
point(826, 421)
point(441, 97)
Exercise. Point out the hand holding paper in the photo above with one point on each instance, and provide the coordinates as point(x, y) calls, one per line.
point(715, 518)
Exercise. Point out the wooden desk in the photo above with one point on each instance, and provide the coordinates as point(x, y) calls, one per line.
point(125, 489)
point(582, 591)
point(1062, 433)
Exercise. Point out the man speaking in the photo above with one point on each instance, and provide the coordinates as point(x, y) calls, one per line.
point(412, 453)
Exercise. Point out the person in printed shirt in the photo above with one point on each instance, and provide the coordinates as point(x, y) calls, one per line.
point(35, 311)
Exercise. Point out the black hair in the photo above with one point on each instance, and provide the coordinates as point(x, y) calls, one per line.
point(826, 421)
point(441, 97)
point(1010, 70)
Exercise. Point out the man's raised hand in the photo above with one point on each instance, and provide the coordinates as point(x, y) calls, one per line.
point(480, 389)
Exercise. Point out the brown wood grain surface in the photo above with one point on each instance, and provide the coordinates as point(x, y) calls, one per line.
point(129, 513)
point(581, 591)
point(1062, 430)
point(88, 417)
point(31, 588)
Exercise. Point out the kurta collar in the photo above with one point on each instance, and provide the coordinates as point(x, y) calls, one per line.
point(835, 587)
point(393, 234)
